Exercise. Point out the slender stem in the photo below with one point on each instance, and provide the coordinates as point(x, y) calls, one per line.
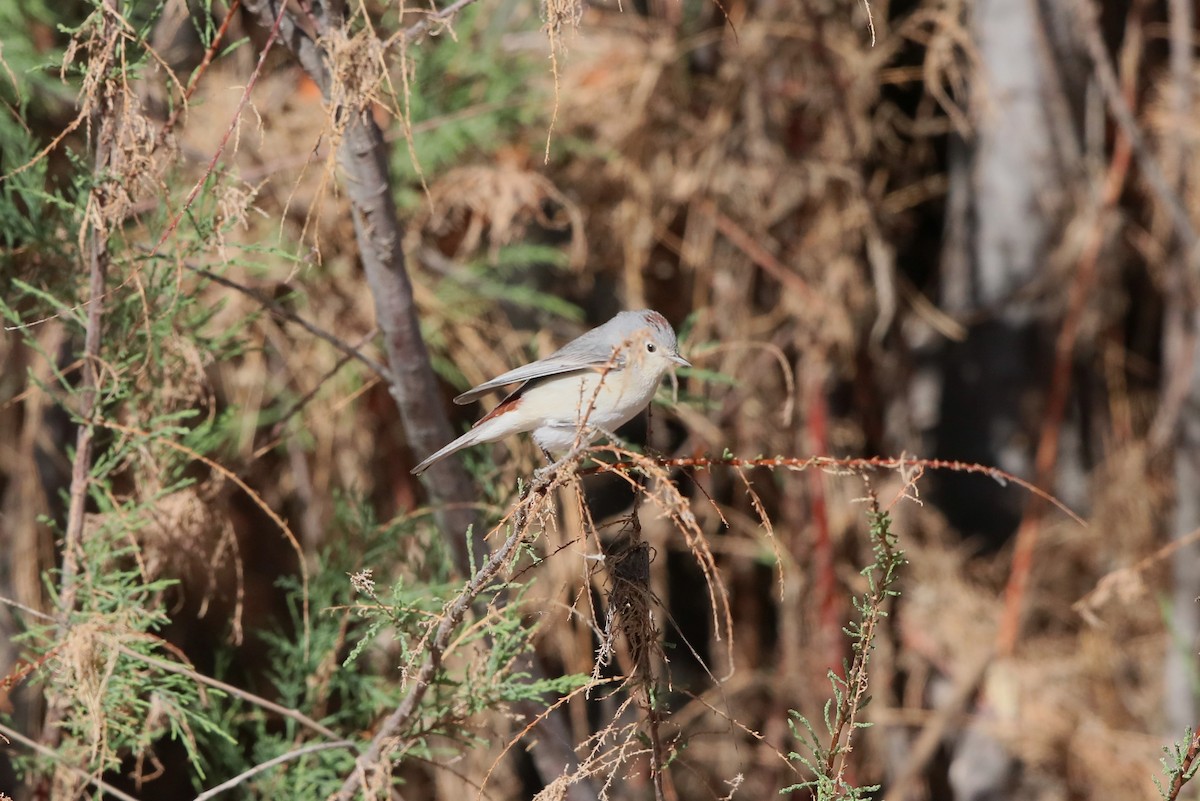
point(51, 754)
point(453, 616)
point(237, 692)
point(284, 314)
point(311, 748)
point(98, 259)
point(1184, 768)
point(81, 467)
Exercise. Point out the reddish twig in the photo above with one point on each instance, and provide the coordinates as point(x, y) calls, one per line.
point(24, 668)
point(209, 54)
point(1184, 771)
point(233, 123)
point(1122, 114)
point(828, 601)
point(1059, 393)
point(756, 252)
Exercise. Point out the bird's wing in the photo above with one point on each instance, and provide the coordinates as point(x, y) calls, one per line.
point(575, 355)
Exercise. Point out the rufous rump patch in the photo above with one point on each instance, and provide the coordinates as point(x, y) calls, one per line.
point(505, 406)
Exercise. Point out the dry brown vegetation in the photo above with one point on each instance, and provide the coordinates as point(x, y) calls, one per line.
point(778, 185)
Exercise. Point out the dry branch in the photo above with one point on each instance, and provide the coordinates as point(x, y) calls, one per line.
point(50, 754)
point(98, 258)
point(1110, 86)
point(383, 741)
point(277, 309)
point(851, 464)
point(81, 466)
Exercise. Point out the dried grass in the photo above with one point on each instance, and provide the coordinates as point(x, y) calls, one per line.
point(497, 204)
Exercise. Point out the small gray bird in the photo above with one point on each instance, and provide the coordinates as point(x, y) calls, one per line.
point(595, 383)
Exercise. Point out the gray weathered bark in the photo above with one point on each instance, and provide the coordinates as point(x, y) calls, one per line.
point(1006, 194)
point(1006, 184)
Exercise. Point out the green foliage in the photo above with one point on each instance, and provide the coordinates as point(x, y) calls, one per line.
point(509, 278)
point(1179, 764)
point(103, 670)
point(102, 660)
point(27, 67)
point(308, 670)
point(354, 665)
point(466, 95)
point(485, 666)
point(824, 755)
point(32, 208)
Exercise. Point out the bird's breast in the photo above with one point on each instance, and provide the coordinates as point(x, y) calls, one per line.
point(604, 399)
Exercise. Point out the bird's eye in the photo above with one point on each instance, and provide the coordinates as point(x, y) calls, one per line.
point(651, 347)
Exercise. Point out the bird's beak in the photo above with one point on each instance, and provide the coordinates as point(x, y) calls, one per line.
point(679, 360)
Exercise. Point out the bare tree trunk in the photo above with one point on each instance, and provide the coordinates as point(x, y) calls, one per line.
point(1005, 202)
point(413, 385)
point(1005, 189)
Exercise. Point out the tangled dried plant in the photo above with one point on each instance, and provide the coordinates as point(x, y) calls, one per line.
point(497, 204)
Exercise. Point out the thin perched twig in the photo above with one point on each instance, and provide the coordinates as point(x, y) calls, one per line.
point(849, 464)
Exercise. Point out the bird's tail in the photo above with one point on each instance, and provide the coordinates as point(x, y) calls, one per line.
point(465, 441)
